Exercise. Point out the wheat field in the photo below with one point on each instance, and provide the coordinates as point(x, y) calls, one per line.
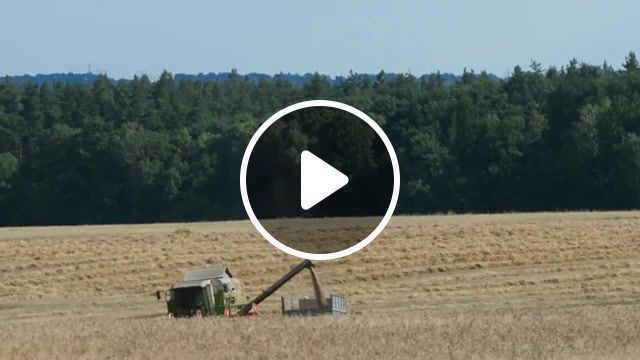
point(544, 285)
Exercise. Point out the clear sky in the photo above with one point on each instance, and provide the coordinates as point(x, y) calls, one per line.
point(125, 37)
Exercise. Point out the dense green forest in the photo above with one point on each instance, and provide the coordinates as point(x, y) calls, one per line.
point(141, 151)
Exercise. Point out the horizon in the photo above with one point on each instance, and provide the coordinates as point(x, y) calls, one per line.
point(125, 38)
point(225, 72)
point(310, 73)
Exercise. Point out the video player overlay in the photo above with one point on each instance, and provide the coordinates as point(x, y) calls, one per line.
point(336, 144)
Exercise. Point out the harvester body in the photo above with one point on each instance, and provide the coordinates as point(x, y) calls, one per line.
point(203, 292)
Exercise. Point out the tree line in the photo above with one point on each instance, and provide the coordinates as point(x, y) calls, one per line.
point(144, 151)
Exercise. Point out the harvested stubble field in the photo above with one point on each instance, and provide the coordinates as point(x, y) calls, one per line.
point(474, 286)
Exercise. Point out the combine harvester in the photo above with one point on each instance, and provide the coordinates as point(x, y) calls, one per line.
point(215, 292)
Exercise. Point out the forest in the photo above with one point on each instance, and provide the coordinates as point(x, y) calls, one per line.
point(132, 151)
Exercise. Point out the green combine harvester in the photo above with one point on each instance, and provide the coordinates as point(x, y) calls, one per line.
point(215, 292)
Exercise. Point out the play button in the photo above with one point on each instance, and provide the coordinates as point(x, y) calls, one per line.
point(317, 180)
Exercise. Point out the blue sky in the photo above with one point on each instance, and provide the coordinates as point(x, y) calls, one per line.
point(125, 37)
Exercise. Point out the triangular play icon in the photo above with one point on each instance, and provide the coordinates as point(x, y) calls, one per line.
point(318, 180)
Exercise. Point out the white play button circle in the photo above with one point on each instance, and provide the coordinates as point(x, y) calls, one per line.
point(318, 180)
